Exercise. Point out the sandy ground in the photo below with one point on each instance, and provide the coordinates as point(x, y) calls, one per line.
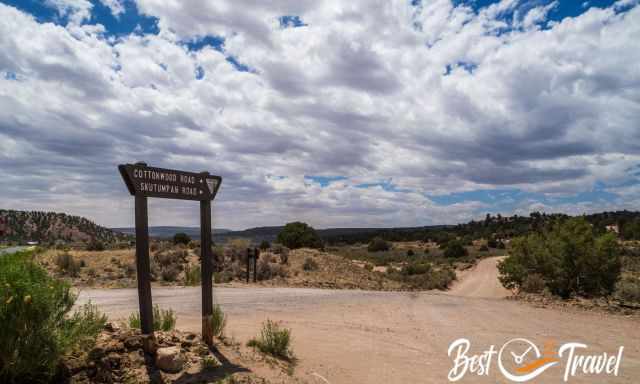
point(480, 281)
point(350, 336)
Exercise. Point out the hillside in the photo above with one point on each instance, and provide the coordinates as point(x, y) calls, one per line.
point(165, 232)
point(49, 227)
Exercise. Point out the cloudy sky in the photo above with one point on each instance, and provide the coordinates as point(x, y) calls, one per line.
point(338, 113)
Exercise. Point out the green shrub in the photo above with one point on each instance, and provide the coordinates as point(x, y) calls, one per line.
point(378, 245)
point(298, 235)
point(273, 340)
point(192, 275)
point(36, 331)
point(170, 273)
point(209, 363)
point(416, 269)
point(628, 289)
point(181, 238)
point(410, 252)
point(163, 319)
point(264, 245)
point(225, 276)
point(569, 257)
point(423, 276)
point(534, 283)
point(455, 250)
point(95, 245)
point(218, 321)
point(129, 269)
point(310, 264)
point(67, 264)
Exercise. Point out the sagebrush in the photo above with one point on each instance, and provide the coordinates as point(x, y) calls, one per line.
point(273, 340)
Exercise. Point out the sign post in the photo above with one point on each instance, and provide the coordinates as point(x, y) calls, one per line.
point(256, 254)
point(142, 182)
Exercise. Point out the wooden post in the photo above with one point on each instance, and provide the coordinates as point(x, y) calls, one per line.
point(255, 264)
point(142, 265)
point(248, 264)
point(207, 271)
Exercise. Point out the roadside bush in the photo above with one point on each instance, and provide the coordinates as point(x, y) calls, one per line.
point(483, 248)
point(36, 331)
point(171, 257)
point(284, 255)
point(264, 245)
point(378, 245)
point(416, 269)
point(423, 276)
point(455, 250)
point(273, 340)
point(218, 321)
point(569, 257)
point(298, 235)
point(67, 264)
point(170, 273)
point(492, 243)
point(181, 238)
point(410, 252)
point(129, 269)
point(222, 277)
point(192, 275)
point(534, 283)
point(310, 264)
point(264, 271)
point(95, 245)
point(628, 289)
point(163, 320)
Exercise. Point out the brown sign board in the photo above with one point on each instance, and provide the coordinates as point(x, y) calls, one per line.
point(169, 183)
point(142, 182)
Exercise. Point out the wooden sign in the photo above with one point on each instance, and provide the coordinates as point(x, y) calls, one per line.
point(142, 182)
point(169, 183)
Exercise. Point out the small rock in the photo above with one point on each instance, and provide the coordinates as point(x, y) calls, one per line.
point(111, 327)
point(97, 353)
point(113, 359)
point(170, 359)
point(133, 342)
point(114, 346)
point(71, 366)
point(136, 358)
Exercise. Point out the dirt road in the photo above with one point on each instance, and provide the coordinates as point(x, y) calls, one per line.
point(480, 281)
point(392, 337)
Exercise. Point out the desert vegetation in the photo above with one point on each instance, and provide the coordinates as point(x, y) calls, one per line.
point(51, 228)
point(163, 319)
point(297, 235)
point(570, 258)
point(273, 340)
point(38, 326)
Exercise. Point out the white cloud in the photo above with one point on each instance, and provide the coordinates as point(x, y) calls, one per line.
point(115, 6)
point(361, 91)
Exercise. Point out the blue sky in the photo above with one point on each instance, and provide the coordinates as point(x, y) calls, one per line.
point(417, 113)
